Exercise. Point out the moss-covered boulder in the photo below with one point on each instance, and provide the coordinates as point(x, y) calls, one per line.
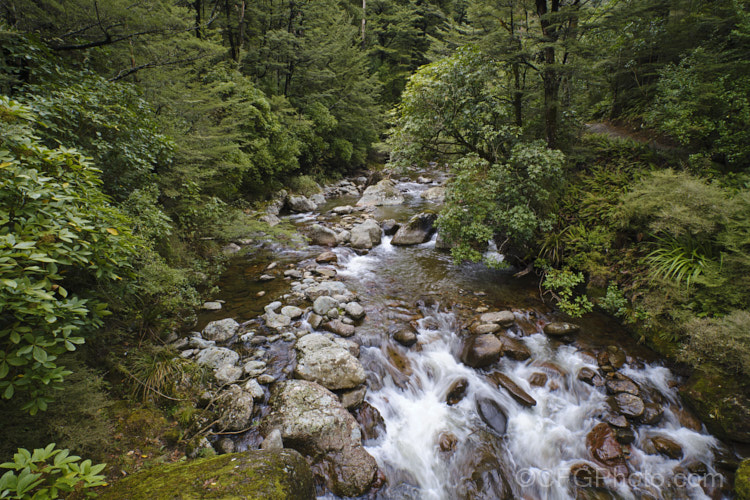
point(742, 481)
point(256, 474)
point(720, 401)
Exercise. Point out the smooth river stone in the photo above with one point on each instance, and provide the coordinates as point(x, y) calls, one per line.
point(504, 381)
point(492, 414)
point(481, 351)
point(503, 318)
point(627, 404)
point(560, 329)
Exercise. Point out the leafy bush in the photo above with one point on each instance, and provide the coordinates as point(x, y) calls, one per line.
point(46, 473)
point(58, 236)
point(561, 284)
point(724, 340)
point(304, 185)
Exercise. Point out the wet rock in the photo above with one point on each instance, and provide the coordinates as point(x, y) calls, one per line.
point(424, 180)
point(220, 331)
point(667, 447)
point(585, 475)
point(354, 398)
point(481, 350)
point(389, 227)
point(603, 445)
point(480, 329)
point(502, 318)
point(225, 445)
point(618, 383)
point(560, 329)
point(326, 258)
point(355, 310)
point(313, 421)
point(418, 230)
point(339, 328)
point(436, 194)
point(343, 210)
point(370, 421)
point(493, 415)
point(687, 419)
point(300, 204)
point(382, 193)
point(277, 474)
point(627, 404)
point(212, 306)
point(617, 421)
point(504, 381)
point(652, 414)
point(616, 357)
point(457, 391)
point(254, 388)
point(538, 379)
point(624, 435)
point(216, 357)
point(406, 337)
point(321, 235)
point(254, 368)
point(321, 360)
point(590, 377)
point(266, 277)
point(447, 441)
point(343, 236)
point(326, 272)
point(235, 409)
point(323, 304)
point(514, 348)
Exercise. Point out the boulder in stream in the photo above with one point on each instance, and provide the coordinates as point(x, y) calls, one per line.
point(481, 350)
point(457, 391)
point(321, 360)
point(365, 235)
point(627, 404)
point(514, 348)
point(436, 194)
point(220, 331)
point(502, 318)
point(493, 415)
point(418, 230)
point(313, 421)
point(604, 447)
point(504, 381)
point(321, 235)
point(560, 329)
point(298, 203)
point(382, 193)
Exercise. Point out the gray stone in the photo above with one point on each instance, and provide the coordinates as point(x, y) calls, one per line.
point(343, 237)
point(323, 304)
point(276, 321)
point(197, 342)
point(292, 312)
point(270, 219)
point(298, 204)
point(216, 357)
point(254, 368)
point(352, 399)
point(365, 235)
point(272, 306)
point(313, 420)
point(325, 362)
point(235, 408)
point(339, 328)
point(221, 331)
point(273, 441)
point(329, 288)
point(227, 374)
point(355, 310)
point(382, 193)
point(231, 248)
point(418, 230)
point(253, 388)
point(390, 226)
point(559, 329)
point(321, 235)
point(314, 320)
point(343, 210)
point(436, 194)
point(502, 318)
point(481, 350)
point(212, 306)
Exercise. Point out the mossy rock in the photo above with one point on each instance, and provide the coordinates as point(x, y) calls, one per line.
point(255, 474)
point(720, 401)
point(742, 481)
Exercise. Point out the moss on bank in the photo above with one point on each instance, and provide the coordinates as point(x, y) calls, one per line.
point(742, 481)
point(257, 474)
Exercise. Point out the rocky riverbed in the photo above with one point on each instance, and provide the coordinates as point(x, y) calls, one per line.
point(398, 374)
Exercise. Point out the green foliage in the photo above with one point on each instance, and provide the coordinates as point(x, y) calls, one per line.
point(678, 260)
point(561, 284)
point(724, 340)
point(304, 185)
point(614, 301)
point(59, 235)
point(510, 200)
point(47, 473)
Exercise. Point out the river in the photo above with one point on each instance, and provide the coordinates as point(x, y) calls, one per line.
point(487, 445)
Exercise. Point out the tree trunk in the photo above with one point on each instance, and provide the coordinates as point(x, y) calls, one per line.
point(198, 6)
point(550, 78)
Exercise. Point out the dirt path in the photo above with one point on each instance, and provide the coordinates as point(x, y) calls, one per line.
point(614, 131)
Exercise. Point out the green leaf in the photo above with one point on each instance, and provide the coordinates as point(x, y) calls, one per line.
point(9, 391)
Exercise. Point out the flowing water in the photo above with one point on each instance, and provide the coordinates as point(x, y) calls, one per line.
point(429, 449)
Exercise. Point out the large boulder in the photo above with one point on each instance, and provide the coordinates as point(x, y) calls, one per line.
point(514, 348)
point(382, 193)
point(365, 235)
point(313, 421)
point(235, 409)
point(220, 331)
point(321, 235)
point(436, 194)
point(560, 329)
point(603, 446)
point(217, 357)
point(298, 203)
point(330, 288)
point(326, 362)
point(253, 474)
point(722, 402)
point(418, 230)
point(492, 414)
point(502, 318)
point(481, 350)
